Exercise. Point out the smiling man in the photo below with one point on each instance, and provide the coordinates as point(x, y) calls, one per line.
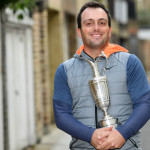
point(95, 32)
point(74, 106)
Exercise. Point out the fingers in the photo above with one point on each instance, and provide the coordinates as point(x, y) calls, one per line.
point(99, 137)
point(104, 135)
point(104, 132)
point(107, 128)
point(114, 140)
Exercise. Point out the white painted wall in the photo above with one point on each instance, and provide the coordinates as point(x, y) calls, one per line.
point(16, 88)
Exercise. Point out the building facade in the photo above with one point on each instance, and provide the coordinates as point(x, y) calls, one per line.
point(55, 40)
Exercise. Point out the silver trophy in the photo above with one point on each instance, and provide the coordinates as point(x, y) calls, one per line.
point(100, 94)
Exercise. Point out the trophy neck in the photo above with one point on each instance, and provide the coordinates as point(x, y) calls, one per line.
point(94, 68)
point(105, 112)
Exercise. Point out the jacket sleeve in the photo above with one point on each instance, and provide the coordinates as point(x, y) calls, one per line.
point(139, 90)
point(62, 104)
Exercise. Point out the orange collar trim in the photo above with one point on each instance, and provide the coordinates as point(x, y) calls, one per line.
point(110, 49)
point(80, 49)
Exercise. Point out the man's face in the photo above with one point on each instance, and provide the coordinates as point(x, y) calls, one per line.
point(95, 32)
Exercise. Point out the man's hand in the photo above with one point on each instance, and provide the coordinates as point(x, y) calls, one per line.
point(97, 139)
point(114, 140)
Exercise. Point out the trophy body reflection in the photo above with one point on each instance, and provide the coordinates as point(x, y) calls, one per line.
point(99, 89)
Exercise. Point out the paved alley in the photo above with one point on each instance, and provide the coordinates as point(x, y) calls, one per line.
point(57, 140)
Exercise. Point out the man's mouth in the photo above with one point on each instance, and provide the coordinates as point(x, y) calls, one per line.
point(96, 35)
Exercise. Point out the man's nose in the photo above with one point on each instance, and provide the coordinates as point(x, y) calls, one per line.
point(96, 27)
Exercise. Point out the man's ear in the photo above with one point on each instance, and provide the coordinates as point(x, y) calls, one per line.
point(79, 32)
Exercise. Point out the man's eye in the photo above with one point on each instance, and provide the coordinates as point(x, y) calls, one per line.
point(88, 23)
point(102, 23)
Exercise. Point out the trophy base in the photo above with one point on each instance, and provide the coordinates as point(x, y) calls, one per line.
point(109, 121)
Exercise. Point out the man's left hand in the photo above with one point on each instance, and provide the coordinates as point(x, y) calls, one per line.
point(114, 140)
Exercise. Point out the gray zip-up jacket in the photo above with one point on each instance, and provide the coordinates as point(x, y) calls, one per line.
point(79, 73)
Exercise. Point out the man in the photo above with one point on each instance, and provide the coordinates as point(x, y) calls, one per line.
point(129, 91)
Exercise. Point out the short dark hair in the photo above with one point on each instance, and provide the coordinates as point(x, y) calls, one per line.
point(92, 4)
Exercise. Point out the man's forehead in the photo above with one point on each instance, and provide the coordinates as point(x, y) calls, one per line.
point(93, 13)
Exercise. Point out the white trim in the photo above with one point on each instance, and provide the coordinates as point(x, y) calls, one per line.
point(12, 18)
point(144, 34)
point(30, 87)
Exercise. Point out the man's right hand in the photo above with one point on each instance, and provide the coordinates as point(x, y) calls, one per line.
point(96, 139)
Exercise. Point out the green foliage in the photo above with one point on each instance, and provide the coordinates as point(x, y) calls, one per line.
point(16, 5)
point(22, 4)
point(4, 3)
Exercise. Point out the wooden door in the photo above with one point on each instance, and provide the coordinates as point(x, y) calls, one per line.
point(17, 89)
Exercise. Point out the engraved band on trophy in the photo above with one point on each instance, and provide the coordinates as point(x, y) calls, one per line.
point(99, 89)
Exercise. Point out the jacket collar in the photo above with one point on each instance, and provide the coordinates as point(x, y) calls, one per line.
point(110, 49)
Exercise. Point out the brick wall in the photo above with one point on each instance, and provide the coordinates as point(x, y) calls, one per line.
point(41, 72)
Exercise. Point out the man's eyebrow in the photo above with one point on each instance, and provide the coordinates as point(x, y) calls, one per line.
point(93, 19)
point(102, 19)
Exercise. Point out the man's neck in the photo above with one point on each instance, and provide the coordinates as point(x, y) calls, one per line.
point(94, 52)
